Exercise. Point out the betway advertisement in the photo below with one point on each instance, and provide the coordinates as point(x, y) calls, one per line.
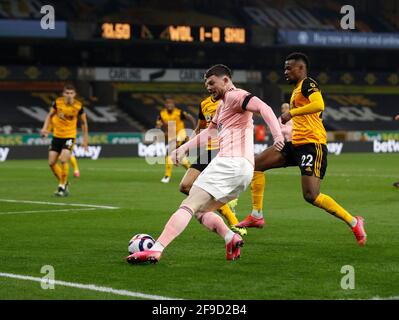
point(158, 150)
point(34, 139)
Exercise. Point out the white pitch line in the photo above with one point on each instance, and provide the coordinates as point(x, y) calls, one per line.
point(91, 287)
point(40, 211)
point(388, 298)
point(59, 204)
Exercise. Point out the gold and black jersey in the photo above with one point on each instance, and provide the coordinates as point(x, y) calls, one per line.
point(306, 128)
point(65, 120)
point(177, 117)
point(206, 112)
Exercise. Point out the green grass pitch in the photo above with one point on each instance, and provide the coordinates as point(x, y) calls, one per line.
point(298, 255)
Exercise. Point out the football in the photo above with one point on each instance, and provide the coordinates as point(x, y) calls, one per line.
point(140, 242)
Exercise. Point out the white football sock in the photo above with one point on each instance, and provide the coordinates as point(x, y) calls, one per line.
point(229, 235)
point(157, 247)
point(257, 214)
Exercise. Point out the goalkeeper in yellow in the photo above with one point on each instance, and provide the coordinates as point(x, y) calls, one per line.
point(64, 114)
point(171, 121)
point(206, 112)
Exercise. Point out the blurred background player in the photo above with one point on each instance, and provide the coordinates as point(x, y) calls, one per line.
point(64, 114)
point(308, 149)
point(171, 121)
point(72, 160)
point(207, 110)
point(258, 182)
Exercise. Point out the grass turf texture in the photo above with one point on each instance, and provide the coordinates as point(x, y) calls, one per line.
point(298, 255)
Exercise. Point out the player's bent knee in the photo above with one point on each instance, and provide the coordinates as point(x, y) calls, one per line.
point(198, 215)
point(185, 188)
point(309, 196)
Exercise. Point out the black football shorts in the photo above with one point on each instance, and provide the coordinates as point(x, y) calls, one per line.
point(311, 158)
point(57, 144)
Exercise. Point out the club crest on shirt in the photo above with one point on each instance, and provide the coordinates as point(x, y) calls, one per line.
point(220, 127)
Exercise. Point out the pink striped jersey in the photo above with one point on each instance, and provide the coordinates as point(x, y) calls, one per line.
point(235, 126)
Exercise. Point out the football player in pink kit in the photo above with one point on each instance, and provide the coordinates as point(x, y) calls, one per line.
point(228, 174)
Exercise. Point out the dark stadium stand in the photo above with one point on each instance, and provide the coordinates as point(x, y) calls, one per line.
point(299, 14)
point(24, 112)
point(314, 16)
point(351, 111)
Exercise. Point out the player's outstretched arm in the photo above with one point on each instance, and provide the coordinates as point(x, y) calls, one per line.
point(198, 140)
point(258, 106)
point(316, 105)
point(44, 130)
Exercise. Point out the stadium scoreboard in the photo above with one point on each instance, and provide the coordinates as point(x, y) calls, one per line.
point(174, 33)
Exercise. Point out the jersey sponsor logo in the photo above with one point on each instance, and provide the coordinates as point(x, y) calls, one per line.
point(3, 154)
point(93, 152)
point(61, 115)
point(335, 147)
point(389, 146)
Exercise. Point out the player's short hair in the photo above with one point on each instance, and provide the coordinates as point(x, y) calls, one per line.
point(299, 56)
point(218, 70)
point(69, 86)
